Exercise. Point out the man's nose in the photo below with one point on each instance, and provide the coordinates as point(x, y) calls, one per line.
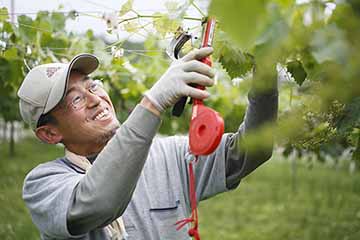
point(92, 100)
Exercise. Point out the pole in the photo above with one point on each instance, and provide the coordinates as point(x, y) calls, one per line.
point(12, 11)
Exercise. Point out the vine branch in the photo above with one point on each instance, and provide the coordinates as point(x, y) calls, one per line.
point(139, 16)
point(198, 9)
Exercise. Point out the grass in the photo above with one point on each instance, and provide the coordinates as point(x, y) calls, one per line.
point(15, 221)
point(325, 204)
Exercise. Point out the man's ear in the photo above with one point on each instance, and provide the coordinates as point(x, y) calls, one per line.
point(49, 134)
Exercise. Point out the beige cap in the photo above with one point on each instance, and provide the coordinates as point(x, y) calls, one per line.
point(45, 86)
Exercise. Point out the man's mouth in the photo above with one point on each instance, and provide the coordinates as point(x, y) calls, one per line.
point(102, 115)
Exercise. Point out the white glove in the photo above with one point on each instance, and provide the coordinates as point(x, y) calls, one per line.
point(174, 83)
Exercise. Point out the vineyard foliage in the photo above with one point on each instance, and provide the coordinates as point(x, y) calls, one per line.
point(312, 48)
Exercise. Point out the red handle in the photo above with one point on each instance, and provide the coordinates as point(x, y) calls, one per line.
point(206, 60)
point(206, 126)
point(208, 36)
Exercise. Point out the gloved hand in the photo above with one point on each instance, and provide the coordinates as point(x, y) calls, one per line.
point(174, 83)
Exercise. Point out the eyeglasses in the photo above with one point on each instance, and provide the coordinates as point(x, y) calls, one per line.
point(78, 99)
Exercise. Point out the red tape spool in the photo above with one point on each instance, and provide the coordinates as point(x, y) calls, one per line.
point(206, 129)
point(206, 126)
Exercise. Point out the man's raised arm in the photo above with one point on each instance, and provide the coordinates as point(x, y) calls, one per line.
point(262, 109)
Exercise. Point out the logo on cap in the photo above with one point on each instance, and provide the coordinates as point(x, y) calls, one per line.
point(50, 71)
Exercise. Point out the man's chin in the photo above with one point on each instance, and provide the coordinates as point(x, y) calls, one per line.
point(108, 132)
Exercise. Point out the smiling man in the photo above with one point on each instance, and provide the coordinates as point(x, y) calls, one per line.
point(83, 129)
point(119, 181)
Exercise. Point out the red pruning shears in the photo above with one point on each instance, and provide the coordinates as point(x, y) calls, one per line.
point(206, 126)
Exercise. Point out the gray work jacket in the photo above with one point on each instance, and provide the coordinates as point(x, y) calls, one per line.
point(140, 177)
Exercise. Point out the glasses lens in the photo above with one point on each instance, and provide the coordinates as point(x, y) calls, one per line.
point(99, 83)
point(78, 102)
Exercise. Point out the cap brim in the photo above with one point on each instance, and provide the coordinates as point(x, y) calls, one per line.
point(84, 63)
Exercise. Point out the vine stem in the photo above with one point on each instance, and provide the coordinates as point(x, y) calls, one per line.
point(155, 16)
point(121, 42)
point(90, 15)
point(197, 8)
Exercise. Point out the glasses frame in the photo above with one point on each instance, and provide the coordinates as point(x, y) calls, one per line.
point(99, 91)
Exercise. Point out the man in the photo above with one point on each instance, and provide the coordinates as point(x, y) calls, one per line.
point(118, 181)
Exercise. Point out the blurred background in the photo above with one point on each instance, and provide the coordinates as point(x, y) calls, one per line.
point(310, 189)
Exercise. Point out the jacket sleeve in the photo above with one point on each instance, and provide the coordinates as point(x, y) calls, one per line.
point(103, 194)
point(239, 162)
point(47, 193)
point(65, 204)
point(223, 169)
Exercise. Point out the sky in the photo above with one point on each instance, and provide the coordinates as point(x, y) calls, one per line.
point(82, 23)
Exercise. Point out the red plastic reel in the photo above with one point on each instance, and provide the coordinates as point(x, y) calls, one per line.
point(206, 129)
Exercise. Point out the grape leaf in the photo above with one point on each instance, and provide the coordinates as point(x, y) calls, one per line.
point(176, 10)
point(242, 20)
point(356, 153)
point(329, 44)
point(351, 117)
point(285, 3)
point(4, 15)
point(131, 26)
point(58, 21)
point(297, 71)
point(25, 28)
point(57, 42)
point(11, 53)
point(7, 27)
point(126, 7)
point(43, 21)
point(355, 4)
point(164, 24)
point(235, 62)
point(171, 6)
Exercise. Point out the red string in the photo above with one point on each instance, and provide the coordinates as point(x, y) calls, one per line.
point(193, 232)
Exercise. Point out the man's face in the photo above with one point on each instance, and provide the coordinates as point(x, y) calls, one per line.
point(86, 116)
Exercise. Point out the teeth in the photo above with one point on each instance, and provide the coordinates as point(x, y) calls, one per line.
point(102, 114)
